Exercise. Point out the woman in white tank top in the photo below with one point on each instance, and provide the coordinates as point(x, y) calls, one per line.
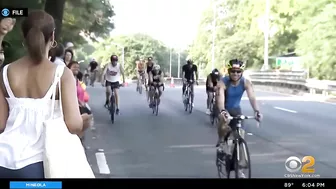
point(25, 98)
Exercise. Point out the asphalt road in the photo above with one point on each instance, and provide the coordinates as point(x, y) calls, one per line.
point(178, 144)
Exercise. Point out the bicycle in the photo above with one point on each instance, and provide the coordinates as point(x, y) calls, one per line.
point(156, 101)
point(140, 83)
point(187, 97)
point(111, 106)
point(233, 162)
point(213, 110)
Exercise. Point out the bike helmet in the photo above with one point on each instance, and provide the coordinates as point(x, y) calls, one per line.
point(236, 64)
point(215, 71)
point(114, 58)
point(189, 61)
point(150, 58)
point(156, 67)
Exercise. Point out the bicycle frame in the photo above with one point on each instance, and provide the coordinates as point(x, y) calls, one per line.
point(188, 91)
point(156, 100)
point(188, 95)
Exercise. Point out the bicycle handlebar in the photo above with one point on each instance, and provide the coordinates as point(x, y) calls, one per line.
point(241, 117)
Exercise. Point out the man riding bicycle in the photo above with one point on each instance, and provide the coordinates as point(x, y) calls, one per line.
point(93, 69)
point(189, 71)
point(111, 78)
point(228, 97)
point(211, 86)
point(149, 68)
point(141, 72)
point(156, 79)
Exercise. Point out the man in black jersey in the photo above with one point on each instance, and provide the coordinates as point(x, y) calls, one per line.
point(211, 86)
point(189, 72)
point(149, 68)
point(93, 68)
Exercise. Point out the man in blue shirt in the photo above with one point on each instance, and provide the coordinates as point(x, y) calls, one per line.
point(230, 92)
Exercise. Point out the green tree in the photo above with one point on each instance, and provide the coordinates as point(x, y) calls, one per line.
point(90, 18)
point(136, 46)
point(317, 39)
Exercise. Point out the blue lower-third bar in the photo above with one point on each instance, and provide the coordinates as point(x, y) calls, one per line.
point(35, 184)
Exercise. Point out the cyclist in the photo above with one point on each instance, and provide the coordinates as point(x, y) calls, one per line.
point(211, 86)
point(189, 71)
point(140, 71)
point(149, 68)
point(230, 91)
point(111, 78)
point(156, 79)
point(93, 68)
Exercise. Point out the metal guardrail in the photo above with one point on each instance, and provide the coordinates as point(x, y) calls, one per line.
point(294, 80)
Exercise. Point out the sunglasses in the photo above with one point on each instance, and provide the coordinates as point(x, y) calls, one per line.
point(236, 71)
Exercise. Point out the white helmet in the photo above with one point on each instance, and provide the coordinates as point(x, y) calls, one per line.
point(69, 45)
point(156, 67)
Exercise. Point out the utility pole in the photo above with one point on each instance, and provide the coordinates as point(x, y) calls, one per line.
point(170, 62)
point(213, 36)
point(178, 63)
point(266, 35)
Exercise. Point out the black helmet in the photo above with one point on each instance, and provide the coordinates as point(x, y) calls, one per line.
point(235, 63)
point(189, 61)
point(215, 71)
point(150, 58)
point(114, 58)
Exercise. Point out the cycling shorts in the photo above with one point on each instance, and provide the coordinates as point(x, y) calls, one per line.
point(141, 72)
point(112, 84)
point(152, 84)
point(209, 89)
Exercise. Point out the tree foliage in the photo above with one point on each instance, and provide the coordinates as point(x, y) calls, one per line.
point(306, 26)
point(89, 18)
point(137, 46)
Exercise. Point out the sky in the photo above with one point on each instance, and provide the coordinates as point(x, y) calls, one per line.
point(173, 22)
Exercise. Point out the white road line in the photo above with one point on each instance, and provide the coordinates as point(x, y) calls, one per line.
point(286, 110)
point(193, 146)
point(102, 163)
point(200, 145)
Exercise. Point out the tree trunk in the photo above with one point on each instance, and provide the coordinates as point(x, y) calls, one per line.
point(56, 9)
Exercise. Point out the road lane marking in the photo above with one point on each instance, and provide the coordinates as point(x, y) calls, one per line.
point(102, 163)
point(200, 145)
point(286, 110)
point(193, 146)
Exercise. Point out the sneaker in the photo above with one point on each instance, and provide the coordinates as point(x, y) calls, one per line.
point(208, 112)
point(241, 174)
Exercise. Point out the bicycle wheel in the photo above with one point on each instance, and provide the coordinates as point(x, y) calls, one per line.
point(156, 106)
point(220, 164)
point(112, 108)
point(242, 160)
point(185, 101)
point(190, 103)
point(153, 105)
point(212, 117)
point(140, 88)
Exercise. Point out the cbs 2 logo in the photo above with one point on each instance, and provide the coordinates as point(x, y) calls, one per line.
point(306, 165)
